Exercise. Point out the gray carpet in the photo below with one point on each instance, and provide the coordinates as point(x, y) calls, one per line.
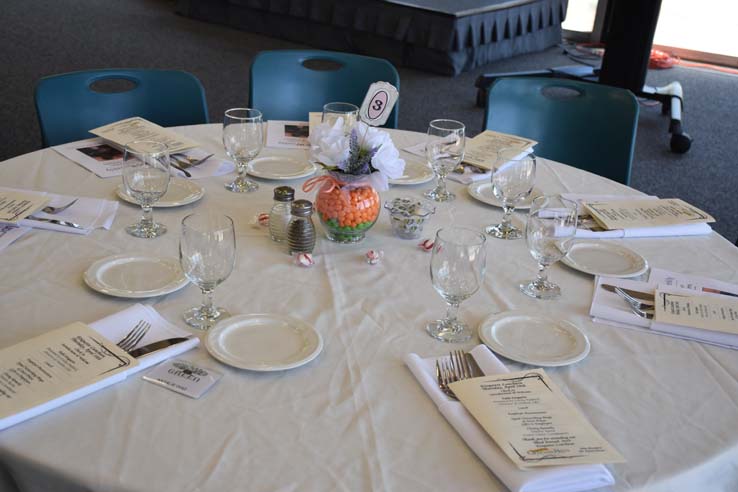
point(41, 38)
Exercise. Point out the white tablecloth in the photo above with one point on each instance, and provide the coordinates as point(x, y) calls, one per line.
point(355, 418)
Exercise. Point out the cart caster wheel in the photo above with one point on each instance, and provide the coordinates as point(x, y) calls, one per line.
point(680, 142)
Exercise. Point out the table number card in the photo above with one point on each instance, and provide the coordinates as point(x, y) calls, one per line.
point(716, 313)
point(532, 421)
point(629, 214)
point(378, 103)
point(17, 205)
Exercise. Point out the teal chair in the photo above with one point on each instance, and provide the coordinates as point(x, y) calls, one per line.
point(588, 126)
point(69, 105)
point(288, 84)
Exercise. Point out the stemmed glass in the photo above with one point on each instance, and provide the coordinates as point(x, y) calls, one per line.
point(243, 139)
point(550, 230)
point(146, 179)
point(512, 182)
point(444, 149)
point(207, 253)
point(347, 111)
point(456, 268)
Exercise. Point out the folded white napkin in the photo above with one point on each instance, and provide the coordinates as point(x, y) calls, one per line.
point(90, 213)
point(211, 167)
point(550, 479)
point(114, 328)
point(677, 230)
point(469, 177)
point(609, 308)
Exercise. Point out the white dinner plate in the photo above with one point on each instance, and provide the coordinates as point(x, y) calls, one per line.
point(135, 277)
point(604, 258)
point(180, 192)
point(264, 342)
point(482, 191)
point(534, 339)
point(415, 173)
point(280, 167)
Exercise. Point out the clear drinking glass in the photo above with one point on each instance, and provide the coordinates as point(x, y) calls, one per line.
point(207, 253)
point(347, 111)
point(444, 149)
point(146, 179)
point(512, 182)
point(243, 139)
point(550, 230)
point(456, 268)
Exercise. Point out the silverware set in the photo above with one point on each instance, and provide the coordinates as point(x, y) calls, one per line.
point(55, 210)
point(457, 367)
point(184, 162)
point(642, 305)
point(134, 336)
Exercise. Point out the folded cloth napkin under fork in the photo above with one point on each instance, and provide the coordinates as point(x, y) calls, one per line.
point(661, 231)
point(550, 479)
point(89, 213)
point(611, 309)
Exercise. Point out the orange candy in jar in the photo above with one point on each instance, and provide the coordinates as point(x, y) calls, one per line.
point(348, 212)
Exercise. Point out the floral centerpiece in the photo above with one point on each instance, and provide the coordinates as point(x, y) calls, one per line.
point(359, 164)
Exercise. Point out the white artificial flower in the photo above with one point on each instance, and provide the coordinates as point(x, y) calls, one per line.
point(328, 144)
point(387, 161)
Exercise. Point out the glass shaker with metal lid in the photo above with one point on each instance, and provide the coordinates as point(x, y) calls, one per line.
point(301, 231)
point(281, 213)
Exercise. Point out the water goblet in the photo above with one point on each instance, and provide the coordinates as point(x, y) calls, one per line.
point(444, 150)
point(207, 253)
point(456, 268)
point(243, 139)
point(512, 182)
point(348, 112)
point(146, 179)
point(549, 231)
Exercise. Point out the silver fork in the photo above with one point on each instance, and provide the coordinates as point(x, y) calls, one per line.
point(55, 210)
point(134, 336)
point(186, 161)
point(640, 303)
point(646, 313)
point(455, 368)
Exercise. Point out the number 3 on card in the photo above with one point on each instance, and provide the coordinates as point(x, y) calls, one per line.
point(378, 103)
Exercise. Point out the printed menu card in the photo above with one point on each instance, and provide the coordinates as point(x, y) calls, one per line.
point(716, 313)
point(126, 131)
point(17, 205)
point(481, 151)
point(627, 214)
point(50, 366)
point(532, 421)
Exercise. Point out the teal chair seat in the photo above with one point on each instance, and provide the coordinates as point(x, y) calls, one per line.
point(69, 105)
point(288, 84)
point(586, 125)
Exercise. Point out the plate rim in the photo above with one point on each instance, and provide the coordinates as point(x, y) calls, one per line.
point(90, 281)
point(495, 347)
point(312, 168)
point(474, 193)
point(220, 326)
point(604, 244)
point(120, 191)
point(417, 181)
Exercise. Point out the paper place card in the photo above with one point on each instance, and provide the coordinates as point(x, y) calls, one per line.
point(532, 421)
point(715, 313)
point(183, 377)
point(692, 282)
point(288, 134)
point(621, 214)
point(94, 155)
point(16, 205)
point(56, 363)
point(481, 151)
point(378, 103)
point(126, 131)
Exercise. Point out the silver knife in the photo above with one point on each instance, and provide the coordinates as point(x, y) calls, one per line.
point(635, 293)
point(152, 347)
point(60, 222)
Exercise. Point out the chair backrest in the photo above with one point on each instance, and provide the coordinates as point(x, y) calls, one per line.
point(69, 105)
point(586, 125)
point(287, 84)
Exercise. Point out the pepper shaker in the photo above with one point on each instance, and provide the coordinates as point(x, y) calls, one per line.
point(301, 231)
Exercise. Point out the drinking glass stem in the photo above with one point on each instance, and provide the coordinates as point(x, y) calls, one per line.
point(207, 308)
point(242, 170)
point(147, 218)
point(507, 216)
point(542, 277)
point(442, 184)
point(452, 312)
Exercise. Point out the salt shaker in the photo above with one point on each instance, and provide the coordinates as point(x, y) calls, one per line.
point(301, 231)
point(280, 214)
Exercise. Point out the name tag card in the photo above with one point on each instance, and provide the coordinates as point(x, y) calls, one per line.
point(532, 421)
point(378, 103)
point(629, 214)
point(716, 313)
point(183, 377)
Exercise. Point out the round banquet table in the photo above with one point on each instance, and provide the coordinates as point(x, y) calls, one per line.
point(354, 418)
